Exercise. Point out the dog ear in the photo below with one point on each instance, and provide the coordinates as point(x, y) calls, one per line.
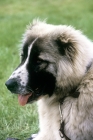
point(66, 47)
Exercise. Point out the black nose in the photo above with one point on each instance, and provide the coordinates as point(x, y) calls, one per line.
point(12, 85)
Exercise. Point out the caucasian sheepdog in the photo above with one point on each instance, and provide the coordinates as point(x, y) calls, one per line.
point(56, 70)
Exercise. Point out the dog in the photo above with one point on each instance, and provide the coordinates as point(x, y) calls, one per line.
point(56, 70)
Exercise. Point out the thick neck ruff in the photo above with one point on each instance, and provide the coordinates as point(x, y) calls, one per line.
point(75, 94)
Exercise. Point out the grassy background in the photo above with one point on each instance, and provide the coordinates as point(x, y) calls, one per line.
point(16, 121)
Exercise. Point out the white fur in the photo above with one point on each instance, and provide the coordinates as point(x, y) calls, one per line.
point(21, 72)
point(77, 112)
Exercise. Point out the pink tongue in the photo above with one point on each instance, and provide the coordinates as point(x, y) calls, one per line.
point(22, 99)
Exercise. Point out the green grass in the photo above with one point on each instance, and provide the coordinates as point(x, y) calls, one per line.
point(16, 121)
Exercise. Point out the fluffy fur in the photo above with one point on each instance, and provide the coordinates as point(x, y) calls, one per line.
point(65, 56)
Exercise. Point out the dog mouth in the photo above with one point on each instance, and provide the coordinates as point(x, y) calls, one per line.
point(26, 94)
point(30, 97)
point(31, 92)
point(23, 99)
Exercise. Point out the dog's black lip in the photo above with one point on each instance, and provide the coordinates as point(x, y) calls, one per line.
point(25, 94)
point(33, 98)
point(36, 94)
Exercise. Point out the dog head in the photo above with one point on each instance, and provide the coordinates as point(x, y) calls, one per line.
point(52, 57)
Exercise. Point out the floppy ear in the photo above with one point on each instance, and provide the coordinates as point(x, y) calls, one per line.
point(66, 47)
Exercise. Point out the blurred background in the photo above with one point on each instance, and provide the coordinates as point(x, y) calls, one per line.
point(15, 15)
